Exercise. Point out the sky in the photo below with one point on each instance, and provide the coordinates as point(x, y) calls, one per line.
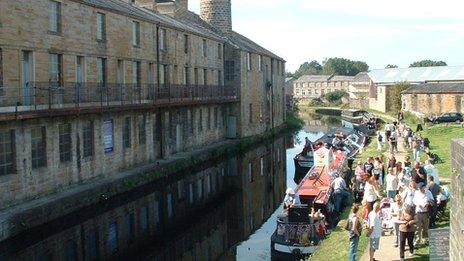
point(378, 32)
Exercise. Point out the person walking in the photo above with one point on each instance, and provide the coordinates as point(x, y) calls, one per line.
point(341, 193)
point(379, 141)
point(416, 149)
point(375, 230)
point(431, 170)
point(354, 230)
point(422, 200)
point(371, 191)
point(393, 142)
point(407, 226)
point(392, 183)
point(435, 190)
point(396, 210)
point(419, 175)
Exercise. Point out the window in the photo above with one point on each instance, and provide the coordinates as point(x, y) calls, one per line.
point(65, 142)
point(248, 61)
point(101, 27)
point(156, 209)
point(208, 120)
point(262, 166)
point(229, 70)
point(251, 112)
point(169, 203)
point(220, 82)
point(55, 17)
point(180, 189)
point(191, 193)
point(1, 72)
point(195, 72)
point(200, 125)
point(126, 133)
point(101, 71)
point(186, 76)
point(142, 130)
point(208, 184)
point(120, 73)
point(205, 77)
point(144, 219)
point(55, 73)
point(7, 152)
point(129, 223)
point(200, 188)
point(216, 118)
point(112, 238)
point(92, 247)
point(205, 48)
point(162, 39)
point(260, 62)
point(136, 34)
point(186, 43)
point(70, 251)
point(191, 120)
point(38, 147)
point(219, 51)
point(136, 74)
point(250, 172)
point(163, 74)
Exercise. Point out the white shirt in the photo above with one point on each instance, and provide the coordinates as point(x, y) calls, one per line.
point(396, 211)
point(408, 196)
point(369, 193)
point(421, 199)
point(392, 182)
point(339, 184)
point(432, 171)
point(292, 200)
point(375, 223)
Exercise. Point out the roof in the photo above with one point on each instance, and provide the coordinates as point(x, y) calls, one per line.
point(233, 38)
point(430, 88)
point(325, 78)
point(418, 74)
point(141, 13)
point(362, 77)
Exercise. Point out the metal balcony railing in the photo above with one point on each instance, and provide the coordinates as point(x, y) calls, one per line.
point(34, 96)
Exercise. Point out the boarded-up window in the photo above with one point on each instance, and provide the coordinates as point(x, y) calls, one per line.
point(112, 241)
point(7, 153)
point(65, 142)
point(38, 147)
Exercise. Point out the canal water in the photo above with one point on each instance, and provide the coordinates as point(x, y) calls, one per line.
point(218, 211)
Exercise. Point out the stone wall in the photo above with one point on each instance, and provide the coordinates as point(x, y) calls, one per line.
point(217, 13)
point(379, 103)
point(457, 198)
point(430, 104)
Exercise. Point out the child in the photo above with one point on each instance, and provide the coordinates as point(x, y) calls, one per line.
point(392, 183)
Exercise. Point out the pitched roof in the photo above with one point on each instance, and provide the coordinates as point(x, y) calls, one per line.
point(417, 74)
point(313, 78)
point(141, 13)
point(341, 78)
point(431, 88)
point(235, 39)
point(362, 77)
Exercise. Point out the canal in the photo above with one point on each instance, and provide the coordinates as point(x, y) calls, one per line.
point(218, 211)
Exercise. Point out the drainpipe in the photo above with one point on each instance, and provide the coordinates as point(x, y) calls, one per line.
point(159, 122)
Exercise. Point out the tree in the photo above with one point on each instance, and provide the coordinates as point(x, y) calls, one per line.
point(394, 96)
point(306, 68)
point(335, 97)
point(427, 63)
point(342, 66)
point(391, 66)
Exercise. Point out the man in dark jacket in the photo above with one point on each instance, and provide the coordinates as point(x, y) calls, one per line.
point(419, 175)
point(435, 189)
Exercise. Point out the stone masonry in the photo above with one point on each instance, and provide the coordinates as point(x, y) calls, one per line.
point(218, 13)
point(457, 197)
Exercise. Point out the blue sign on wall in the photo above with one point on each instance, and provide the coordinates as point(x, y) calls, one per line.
point(108, 136)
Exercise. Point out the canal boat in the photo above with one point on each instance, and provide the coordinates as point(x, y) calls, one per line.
point(355, 116)
point(298, 233)
point(304, 161)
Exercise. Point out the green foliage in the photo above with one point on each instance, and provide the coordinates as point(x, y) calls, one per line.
point(335, 97)
point(316, 102)
point(391, 66)
point(307, 68)
point(394, 96)
point(294, 122)
point(427, 63)
point(342, 66)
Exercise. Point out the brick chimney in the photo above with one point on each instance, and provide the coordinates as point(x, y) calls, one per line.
point(218, 13)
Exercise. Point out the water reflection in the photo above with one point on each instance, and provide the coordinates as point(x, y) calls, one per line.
point(200, 215)
point(257, 246)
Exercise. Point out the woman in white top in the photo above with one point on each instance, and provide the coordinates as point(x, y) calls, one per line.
point(371, 191)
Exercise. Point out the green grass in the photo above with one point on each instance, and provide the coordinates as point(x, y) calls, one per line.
point(337, 245)
point(440, 143)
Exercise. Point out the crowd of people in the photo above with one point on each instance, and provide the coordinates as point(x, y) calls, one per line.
point(410, 189)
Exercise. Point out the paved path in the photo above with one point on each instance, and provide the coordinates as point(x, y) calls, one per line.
point(387, 250)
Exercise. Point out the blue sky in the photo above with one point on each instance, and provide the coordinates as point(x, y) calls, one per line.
point(378, 32)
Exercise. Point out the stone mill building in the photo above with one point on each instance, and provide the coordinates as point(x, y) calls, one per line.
point(95, 91)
